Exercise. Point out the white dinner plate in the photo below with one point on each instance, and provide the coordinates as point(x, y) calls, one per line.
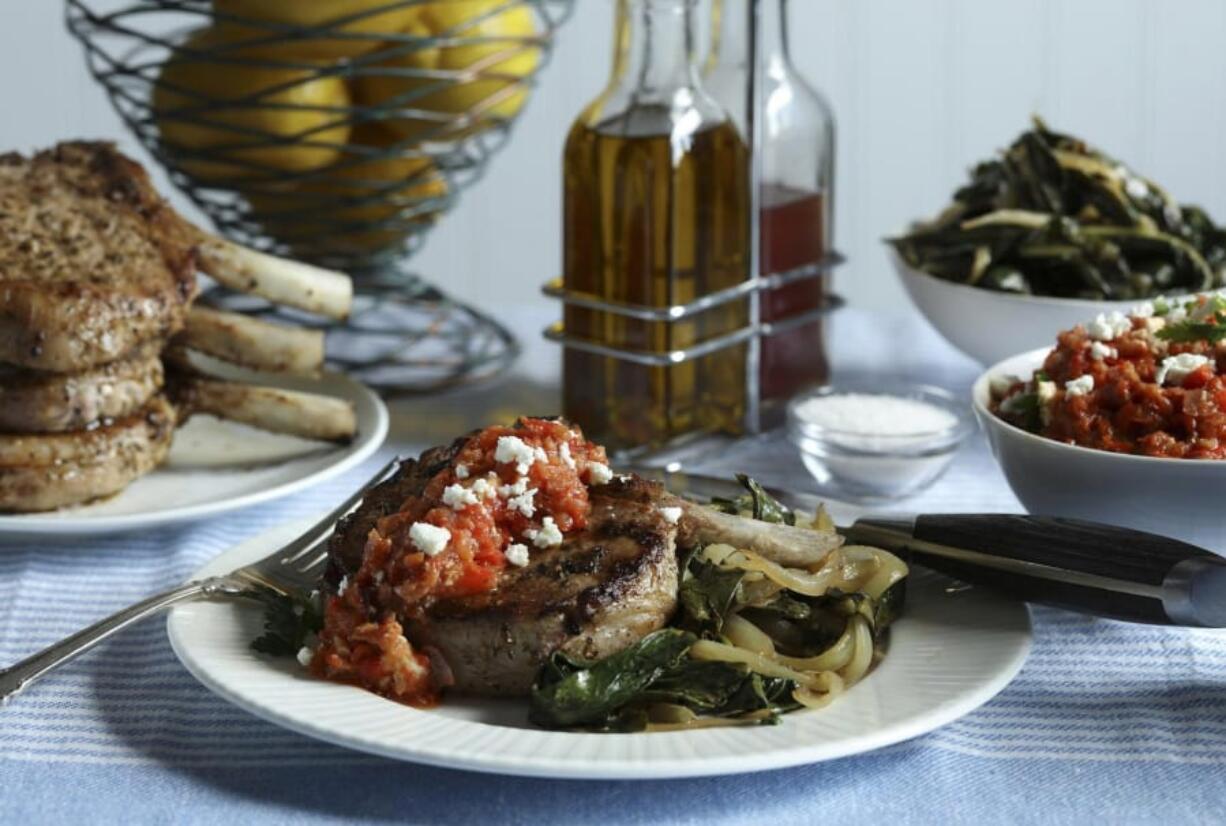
point(216, 466)
point(952, 650)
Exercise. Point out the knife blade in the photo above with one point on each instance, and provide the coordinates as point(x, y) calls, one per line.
point(1096, 569)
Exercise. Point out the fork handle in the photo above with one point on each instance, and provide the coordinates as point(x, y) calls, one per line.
point(20, 675)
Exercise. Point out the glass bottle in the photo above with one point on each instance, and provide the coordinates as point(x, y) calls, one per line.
point(796, 199)
point(656, 205)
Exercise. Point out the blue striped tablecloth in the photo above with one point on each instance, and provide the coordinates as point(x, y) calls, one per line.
point(1106, 723)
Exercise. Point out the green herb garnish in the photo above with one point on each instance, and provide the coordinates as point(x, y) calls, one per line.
point(757, 503)
point(289, 622)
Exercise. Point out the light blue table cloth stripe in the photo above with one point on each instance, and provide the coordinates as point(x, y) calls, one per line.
point(1111, 721)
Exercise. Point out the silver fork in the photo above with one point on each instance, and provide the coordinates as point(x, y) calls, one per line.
point(293, 568)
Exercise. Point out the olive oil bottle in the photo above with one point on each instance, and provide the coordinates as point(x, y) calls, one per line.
point(656, 205)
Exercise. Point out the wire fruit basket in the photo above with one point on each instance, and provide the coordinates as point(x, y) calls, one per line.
point(336, 132)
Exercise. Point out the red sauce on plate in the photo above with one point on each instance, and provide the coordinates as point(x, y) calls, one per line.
point(482, 501)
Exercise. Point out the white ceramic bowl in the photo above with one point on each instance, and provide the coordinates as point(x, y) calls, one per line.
point(988, 325)
point(1181, 498)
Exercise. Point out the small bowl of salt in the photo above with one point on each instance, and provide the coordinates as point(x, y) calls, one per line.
point(872, 447)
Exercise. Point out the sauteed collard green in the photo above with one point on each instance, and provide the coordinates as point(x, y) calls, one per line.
point(1054, 217)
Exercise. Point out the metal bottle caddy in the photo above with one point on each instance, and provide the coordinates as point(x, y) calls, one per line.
point(749, 290)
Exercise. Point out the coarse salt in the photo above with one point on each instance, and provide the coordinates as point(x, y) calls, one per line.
point(871, 416)
point(875, 444)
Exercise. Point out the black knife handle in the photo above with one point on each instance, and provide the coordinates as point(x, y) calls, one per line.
point(1100, 569)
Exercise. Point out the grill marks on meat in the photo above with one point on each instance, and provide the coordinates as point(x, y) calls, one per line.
point(603, 589)
point(92, 261)
point(33, 401)
point(47, 471)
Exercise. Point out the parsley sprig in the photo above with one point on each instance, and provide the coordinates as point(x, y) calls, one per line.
point(289, 622)
point(1205, 322)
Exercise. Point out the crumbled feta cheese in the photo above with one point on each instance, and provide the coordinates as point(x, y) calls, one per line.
point(1143, 310)
point(517, 554)
point(671, 515)
point(1106, 327)
point(540, 454)
point(461, 471)
point(1155, 324)
point(507, 491)
point(547, 535)
point(429, 539)
point(1175, 369)
point(514, 449)
point(305, 655)
point(523, 503)
point(1177, 314)
point(457, 497)
point(564, 453)
point(599, 474)
point(1079, 386)
point(484, 488)
point(1100, 351)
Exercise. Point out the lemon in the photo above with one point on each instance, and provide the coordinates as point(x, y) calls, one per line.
point(340, 210)
point(365, 29)
point(502, 60)
point(245, 106)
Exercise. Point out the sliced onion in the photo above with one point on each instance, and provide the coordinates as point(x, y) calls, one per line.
point(863, 657)
point(744, 634)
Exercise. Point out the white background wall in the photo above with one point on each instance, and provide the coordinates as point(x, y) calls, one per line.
point(922, 89)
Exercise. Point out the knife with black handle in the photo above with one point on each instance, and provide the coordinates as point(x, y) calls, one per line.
point(1083, 566)
point(1095, 569)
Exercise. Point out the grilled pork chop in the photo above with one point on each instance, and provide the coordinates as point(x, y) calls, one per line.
point(92, 261)
point(47, 471)
point(34, 401)
point(601, 590)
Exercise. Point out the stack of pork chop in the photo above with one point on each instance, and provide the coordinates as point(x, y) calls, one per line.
point(97, 293)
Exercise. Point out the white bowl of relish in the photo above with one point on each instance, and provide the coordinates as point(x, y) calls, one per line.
point(1068, 453)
